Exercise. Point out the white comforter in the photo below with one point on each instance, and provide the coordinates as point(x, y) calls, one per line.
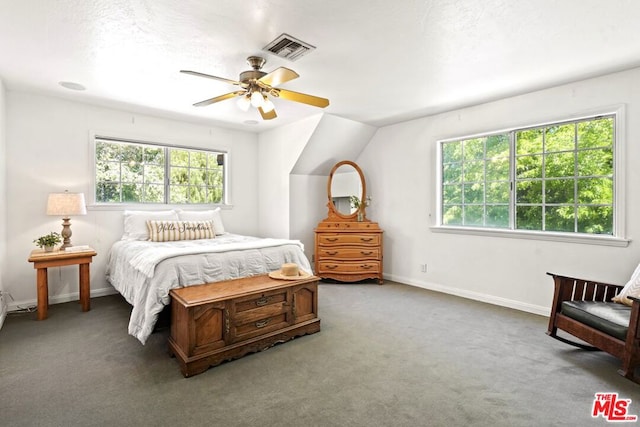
point(144, 272)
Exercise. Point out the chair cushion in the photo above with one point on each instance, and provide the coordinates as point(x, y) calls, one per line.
point(609, 317)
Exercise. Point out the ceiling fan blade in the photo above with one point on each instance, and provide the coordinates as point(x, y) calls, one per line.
point(278, 76)
point(302, 97)
point(222, 79)
point(267, 116)
point(218, 98)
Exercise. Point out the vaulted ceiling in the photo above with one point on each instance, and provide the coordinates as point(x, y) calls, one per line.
point(379, 62)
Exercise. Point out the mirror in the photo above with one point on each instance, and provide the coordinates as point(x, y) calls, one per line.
point(346, 180)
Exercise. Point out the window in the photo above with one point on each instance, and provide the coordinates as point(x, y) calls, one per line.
point(134, 172)
point(554, 178)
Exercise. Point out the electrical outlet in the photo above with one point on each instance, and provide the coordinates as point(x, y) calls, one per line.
point(423, 268)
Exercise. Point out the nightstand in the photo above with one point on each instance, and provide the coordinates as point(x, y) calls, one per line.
point(42, 260)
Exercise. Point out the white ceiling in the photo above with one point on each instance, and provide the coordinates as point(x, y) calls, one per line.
point(379, 62)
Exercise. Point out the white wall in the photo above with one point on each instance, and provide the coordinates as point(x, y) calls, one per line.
point(295, 162)
point(400, 166)
point(308, 207)
point(3, 201)
point(48, 142)
point(278, 151)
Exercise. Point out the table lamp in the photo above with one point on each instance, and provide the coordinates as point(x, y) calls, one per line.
point(65, 205)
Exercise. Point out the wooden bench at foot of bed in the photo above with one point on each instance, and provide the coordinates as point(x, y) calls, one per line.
point(585, 309)
point(226, 320)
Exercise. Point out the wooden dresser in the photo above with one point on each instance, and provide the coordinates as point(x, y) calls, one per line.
point(348, 246)
point(348, 251)
point(221, 321)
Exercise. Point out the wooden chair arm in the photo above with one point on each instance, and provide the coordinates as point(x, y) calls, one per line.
point(575, 289)
point(576, 279)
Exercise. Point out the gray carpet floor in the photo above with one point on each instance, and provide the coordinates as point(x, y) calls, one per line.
point(391, 355)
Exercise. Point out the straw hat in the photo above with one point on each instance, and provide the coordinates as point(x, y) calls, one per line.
point(289, 271)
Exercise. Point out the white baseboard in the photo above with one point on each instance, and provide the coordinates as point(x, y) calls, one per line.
point(58, 299)
point(490, 299)
point(3, 308)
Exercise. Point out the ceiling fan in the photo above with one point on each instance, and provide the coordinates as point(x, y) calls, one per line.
point(257, 86)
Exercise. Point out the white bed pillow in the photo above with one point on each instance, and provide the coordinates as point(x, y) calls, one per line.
point(169, 231)
point(632, 288)
point(135, 222)
point(209, 215)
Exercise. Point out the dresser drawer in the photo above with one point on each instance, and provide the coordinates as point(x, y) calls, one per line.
point(244, 329)
point(258, 314)
point(348, 267)
point(349, 238)
point(264, 299)
point(349, 253)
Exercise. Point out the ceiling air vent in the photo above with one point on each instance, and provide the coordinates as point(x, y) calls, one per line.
point(288, 47)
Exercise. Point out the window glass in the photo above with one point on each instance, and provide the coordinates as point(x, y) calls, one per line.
point(128, 172)
point(558, 177)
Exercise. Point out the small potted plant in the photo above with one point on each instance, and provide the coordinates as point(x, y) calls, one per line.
point(358, 205)
point(48, 241)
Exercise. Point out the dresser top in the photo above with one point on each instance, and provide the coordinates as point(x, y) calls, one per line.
point(356, 227)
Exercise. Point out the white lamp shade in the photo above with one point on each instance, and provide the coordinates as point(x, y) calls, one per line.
point(244, 103)
point(66, 204)
point(256, 99)
point(268, 105)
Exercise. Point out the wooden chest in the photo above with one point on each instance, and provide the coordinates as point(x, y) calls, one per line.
point(221, 321)
point(348, 251)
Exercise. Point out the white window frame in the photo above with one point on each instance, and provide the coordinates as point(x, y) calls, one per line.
point(619, 222)
point(95, 205)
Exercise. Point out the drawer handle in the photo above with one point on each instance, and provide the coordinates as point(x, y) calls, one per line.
point(263, 301)
point(366, 239)
point(366, 252)
point(332, 239)
point(262, 323)
point(332, 267)
point(332, 252)
point(366, 266)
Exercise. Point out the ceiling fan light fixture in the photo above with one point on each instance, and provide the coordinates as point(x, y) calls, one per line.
point(267, 106)
point(257, 87)
point(244, 103)
point(257, 100)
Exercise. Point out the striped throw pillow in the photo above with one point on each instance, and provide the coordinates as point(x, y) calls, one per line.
point(168, 231)
point(632, 288)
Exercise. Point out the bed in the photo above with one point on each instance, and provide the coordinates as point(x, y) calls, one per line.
point(143, 271)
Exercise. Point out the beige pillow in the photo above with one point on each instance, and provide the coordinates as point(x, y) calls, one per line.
point(168, 231)
point(213, 215)
point(135, 222)
point(632, 288)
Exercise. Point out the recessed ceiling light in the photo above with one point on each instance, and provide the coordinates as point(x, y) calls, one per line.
point(72, 85)
point(251, 122)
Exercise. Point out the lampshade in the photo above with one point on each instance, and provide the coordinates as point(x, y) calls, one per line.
point(268, 105)
point(256, 99)
point(66, 204)
point(244, 103)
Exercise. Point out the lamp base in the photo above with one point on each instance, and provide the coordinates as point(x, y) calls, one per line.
point(66, 234)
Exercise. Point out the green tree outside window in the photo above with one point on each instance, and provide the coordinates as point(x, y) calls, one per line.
point(557, 178)
point(139, 173)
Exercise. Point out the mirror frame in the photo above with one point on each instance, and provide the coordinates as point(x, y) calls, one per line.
point(333, 211)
